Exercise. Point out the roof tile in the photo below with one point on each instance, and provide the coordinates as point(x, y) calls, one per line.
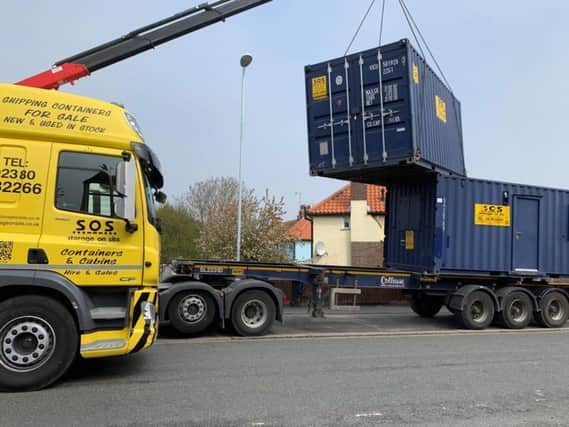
point(301, 229)
point(339, 202)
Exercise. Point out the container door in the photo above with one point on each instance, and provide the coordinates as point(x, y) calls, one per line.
point(329, 127)
point(394, 140)
point(526, 234)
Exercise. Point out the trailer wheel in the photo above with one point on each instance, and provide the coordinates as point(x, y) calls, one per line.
point(517, 310)
point(478, 311)
point(38, 342)
point(426, 305)
point(191, 312)
point(554, 310)
point(253, 313)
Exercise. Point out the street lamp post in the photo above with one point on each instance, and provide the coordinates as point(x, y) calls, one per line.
point(245, 61)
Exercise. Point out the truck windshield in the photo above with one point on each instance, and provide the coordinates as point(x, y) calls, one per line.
point(150, 204)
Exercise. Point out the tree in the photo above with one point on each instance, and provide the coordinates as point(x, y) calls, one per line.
point(179, 232)
point(213, 204)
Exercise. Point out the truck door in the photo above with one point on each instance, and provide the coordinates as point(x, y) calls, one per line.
point(81, 236)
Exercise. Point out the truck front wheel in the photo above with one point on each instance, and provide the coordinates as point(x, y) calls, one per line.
point(253, 313)
point(191, 312)
point(38, 342)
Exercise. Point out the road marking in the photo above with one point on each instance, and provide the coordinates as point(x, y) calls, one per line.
point(257, 424)
point(352, 335)
point(370, 414)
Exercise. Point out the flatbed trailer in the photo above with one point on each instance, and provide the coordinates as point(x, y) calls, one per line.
point(242, 294)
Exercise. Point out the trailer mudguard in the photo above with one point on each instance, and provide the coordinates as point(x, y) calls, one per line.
point(175, 288)
point(542, 293)
point(55, 283)
point(502, 292)
point(456, 300)
point(238, 286)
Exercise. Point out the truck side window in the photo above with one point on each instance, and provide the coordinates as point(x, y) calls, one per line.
point(85, 182)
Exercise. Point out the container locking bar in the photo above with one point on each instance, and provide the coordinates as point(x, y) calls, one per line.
point(346, 67)
point(382, 114)
point(364, 115)
point(331, 114)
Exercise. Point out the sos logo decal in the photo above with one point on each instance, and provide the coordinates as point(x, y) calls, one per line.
point(94, 226)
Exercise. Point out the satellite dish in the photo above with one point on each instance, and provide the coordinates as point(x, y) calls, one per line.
point(320, 248)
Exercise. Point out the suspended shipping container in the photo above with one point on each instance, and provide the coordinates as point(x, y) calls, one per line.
point(460, 225)
point(421, 130)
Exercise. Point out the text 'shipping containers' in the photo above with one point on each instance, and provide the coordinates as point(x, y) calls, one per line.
point(419, 132)
point(446, 224)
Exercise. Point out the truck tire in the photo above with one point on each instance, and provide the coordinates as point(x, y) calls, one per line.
point(191, 312)
point(426, 305)
point(253, 313)
point(554, 309)
point(478, 311)
point(38, 342)
point(517, 309)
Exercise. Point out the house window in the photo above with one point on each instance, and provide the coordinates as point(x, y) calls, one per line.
point(345, 223)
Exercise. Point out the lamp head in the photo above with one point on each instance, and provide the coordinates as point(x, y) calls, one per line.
point(246, 60)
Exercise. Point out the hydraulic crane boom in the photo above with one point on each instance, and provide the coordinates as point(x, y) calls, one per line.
point(70, 69)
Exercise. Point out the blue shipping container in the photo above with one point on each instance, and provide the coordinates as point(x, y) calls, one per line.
point(347, 138)
point(460, 225)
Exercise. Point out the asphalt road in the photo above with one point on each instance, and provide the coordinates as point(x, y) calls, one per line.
point(393, 376)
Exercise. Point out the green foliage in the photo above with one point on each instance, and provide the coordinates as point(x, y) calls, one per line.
point(213, 204)
point(179, 232)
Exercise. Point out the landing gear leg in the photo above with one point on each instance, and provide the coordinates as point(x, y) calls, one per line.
point(317, 301)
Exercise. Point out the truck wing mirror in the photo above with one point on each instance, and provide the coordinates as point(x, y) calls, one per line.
point(160, 197)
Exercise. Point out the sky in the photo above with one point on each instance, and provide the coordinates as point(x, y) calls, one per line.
point(507, 62)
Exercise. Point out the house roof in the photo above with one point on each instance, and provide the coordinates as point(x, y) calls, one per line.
point(300, 229)
point(339, 202)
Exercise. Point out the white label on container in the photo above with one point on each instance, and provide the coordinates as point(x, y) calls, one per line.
point(440, 200)
point(339, 80)
point(324, 148)
point(390, 93)
point(370, 95)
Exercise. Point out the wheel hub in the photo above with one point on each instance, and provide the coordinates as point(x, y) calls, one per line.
point(26, 343)
point(254, 313)
point(518, 312)
point(476, 311)
point(193, 308)
point(555, 310)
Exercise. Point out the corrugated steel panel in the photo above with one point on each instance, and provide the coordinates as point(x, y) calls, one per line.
point(478, 226)
point(421, 129)
point(410, 209)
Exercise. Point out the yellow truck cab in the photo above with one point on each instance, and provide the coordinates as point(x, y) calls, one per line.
point(79, 241)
